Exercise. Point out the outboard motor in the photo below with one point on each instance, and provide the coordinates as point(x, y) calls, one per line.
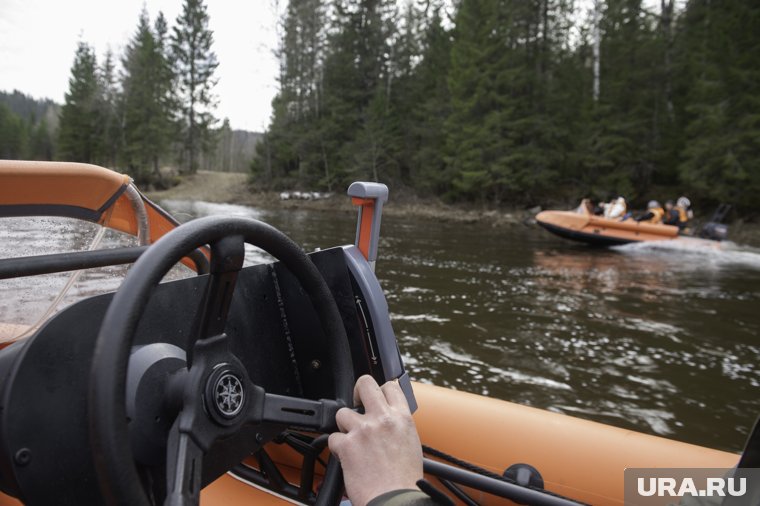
point(715, 229)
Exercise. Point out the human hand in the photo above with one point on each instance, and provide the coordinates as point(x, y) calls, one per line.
point(380, 450)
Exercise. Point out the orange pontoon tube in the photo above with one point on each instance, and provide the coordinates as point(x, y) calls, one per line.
point(579, 459)
point(602, 231)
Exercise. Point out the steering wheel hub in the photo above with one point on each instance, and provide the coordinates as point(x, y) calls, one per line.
point(225, 394)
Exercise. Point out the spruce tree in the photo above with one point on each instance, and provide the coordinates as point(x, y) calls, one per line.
point(41, 144)
point(490, 82)
point(621, 147)
point(403, 93)
point(719, 46)
point(147, 113)
point(333, 119)
point(79, 117)
point(13, 134)
point(194, 65)
point(108, 123)
point(429, 106)
point(358, 82)
point(294, 150)
point(223, 156)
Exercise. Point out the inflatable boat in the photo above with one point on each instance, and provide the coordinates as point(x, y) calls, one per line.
point(600, 231)
point(217, 387)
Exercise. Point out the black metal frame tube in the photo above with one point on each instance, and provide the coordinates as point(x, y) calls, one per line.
point(492, 486)
point(70, 261)
point(75, 260)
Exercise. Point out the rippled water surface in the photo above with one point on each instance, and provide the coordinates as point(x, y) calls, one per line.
point(664, 340)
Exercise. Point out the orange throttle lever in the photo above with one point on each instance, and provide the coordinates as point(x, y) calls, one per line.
point(370, 198)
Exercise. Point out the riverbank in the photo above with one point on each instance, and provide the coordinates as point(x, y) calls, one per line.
point(234, 188)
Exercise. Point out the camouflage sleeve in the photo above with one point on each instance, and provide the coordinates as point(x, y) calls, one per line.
point(404, 497)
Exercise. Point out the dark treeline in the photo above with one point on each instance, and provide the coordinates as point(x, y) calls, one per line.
point(27, 127)
point(520, 102)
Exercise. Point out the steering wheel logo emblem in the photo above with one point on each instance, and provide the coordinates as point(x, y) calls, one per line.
point(229, 395)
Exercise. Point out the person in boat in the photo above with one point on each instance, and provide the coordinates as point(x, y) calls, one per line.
point(585, 207)
point(685, 214)
point(671, 216)
point(614, 209)
point(654, 213)
point(380, 450)
point(678, 214)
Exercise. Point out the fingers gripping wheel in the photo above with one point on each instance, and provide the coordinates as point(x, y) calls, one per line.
point(214, 395)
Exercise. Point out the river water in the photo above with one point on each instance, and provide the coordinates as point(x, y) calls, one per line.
point(659, 340)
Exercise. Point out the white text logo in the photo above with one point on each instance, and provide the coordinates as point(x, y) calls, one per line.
point(662, 487)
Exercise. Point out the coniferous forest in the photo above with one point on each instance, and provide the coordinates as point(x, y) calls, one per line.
point(520, 102)
point(500, 102)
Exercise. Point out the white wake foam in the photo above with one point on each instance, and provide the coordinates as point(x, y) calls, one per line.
point(701, 253)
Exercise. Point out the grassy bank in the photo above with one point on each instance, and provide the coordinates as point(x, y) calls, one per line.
point(234, 188)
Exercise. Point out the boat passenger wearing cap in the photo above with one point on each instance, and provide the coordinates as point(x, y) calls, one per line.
point(654, 213)
point(380, 450)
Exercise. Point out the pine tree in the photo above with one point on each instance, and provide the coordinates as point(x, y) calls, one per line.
point(333, 118)
point(41, 144)
point(294, 150)
point(719, 46)
point(108, 123)
point(147, 110)
point(13, 134)
point(506, 139)
point(489, 77)
point(79, 119)
point(428, 107)
point(195, 63)
point(224, 148)
point(358, 82)
point(622, 147)
point(403, 95)
point(375, 144)
point(341, 104)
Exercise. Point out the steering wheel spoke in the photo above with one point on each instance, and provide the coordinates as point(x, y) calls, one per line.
point(294, 412)
point(184, 463)
point(227, 255)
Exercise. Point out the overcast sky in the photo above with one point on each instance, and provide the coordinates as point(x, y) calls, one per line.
point(38, 39)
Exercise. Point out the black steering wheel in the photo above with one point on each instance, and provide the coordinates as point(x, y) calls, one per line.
point(213, 394)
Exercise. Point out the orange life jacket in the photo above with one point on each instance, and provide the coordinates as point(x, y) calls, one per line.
point(658, 213)
point(683, 215)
